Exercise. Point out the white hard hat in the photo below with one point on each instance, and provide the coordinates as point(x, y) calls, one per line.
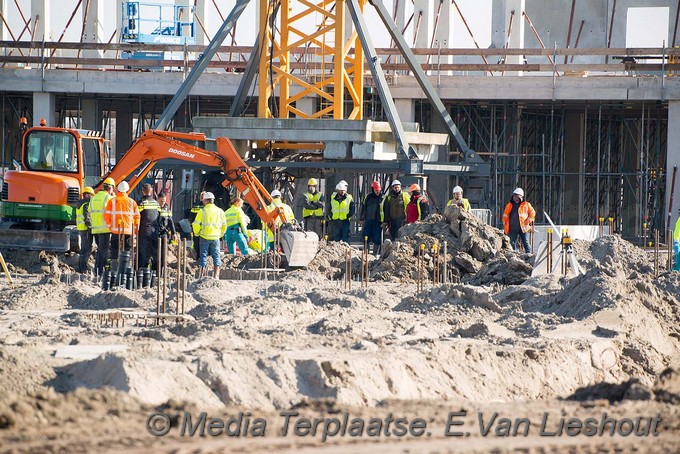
point(123, 186)
point(457, 189)
point(342, 186)
point(208, 196)
point(276, 193)
point(519, 192)
point(396, 182)
point(343, 182)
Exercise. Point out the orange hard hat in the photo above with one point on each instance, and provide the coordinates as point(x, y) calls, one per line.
point(375, 185)
point(23, 121)
point(414, 187)
point(43, 122)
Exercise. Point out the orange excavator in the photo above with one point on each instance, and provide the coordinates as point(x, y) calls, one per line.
point(60, 162)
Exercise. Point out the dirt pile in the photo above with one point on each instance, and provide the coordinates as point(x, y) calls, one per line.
point(40, 262)
point(476, 252)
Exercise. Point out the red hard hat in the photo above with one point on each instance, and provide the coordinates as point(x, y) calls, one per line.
point(375, 185)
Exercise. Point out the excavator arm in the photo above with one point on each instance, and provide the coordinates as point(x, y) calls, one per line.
point(154, 145)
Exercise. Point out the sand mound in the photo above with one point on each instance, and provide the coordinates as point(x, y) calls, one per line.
point(476, 252)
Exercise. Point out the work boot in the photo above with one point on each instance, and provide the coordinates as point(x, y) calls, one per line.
point(216, 272)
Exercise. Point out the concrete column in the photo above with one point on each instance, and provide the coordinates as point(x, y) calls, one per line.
point(119, 21)
point(423, 23)
point(91, 115)
point(202, 18)
point(94, 22)
point(573, 160)
point(406, 110)
point(124, 132)
point(444, 34)
point(673, 159)
point(516, 40)
point(40, 19)
point(4, 33)
point(44, 106)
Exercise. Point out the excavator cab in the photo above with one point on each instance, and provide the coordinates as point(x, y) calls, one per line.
point(38, 201)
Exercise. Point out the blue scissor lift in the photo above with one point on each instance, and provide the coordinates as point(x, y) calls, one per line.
point(156, 23)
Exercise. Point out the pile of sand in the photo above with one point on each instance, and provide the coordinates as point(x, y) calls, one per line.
point(476, 252)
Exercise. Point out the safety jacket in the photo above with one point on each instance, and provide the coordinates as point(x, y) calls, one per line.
point(287, 212)
point(309, 208)
point(121, 215)
point(676, 232)
point(235, 217)
point(368, 207)
point(209, 223)
point(83, 218)
point(465, 202)
point(417, 209)
point(392, 201)
point(97, 207)
point(341, 209)
point(526, 213)
point(149, 212)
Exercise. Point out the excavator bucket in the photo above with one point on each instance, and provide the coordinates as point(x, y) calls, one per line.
point(35, 240)
point(299, 247)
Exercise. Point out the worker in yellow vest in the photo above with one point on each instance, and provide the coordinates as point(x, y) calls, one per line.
point(312, 208)
point(287, 212)
point(100, 231)
point(209, 225)
point(676, 244)
point(237, 228)
point(342, 209)
point(394, 207)
point(458, 199)
point(84, 226)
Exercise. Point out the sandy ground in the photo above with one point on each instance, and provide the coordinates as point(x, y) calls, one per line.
point(602, 345)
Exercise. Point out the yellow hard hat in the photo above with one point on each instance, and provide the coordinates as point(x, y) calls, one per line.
point(110, 181)
point(88, 190)
point(312, 182)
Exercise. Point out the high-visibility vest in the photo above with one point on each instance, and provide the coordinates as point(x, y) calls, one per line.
point(121, 215)
point(287, 212)
point(97, 206)
point(340, 209)
point(420, 213)
point(465, 202)
point(80, 215)
point(235, 216)
point(676, 232)
point(148, 204)
point(404, 197)
point(306, 212)
point(209, 223)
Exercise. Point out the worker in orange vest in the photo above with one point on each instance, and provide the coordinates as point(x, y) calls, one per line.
point(518, 218)
point(122, 218)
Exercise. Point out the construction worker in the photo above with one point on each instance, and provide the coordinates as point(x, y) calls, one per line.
point(164, 229)
point(676, 244)
point(100, 231)
point(394, 208)
point(198, 206)
point(312, 208)
point(287, 212)
point(418, 208)
point(342, 208)
point(518, 218)
point(372, 216)
point(122, 218)
point(237, 228)
point(149, 213)
point(84, 226)
point(209, 226)
point(458, 199)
